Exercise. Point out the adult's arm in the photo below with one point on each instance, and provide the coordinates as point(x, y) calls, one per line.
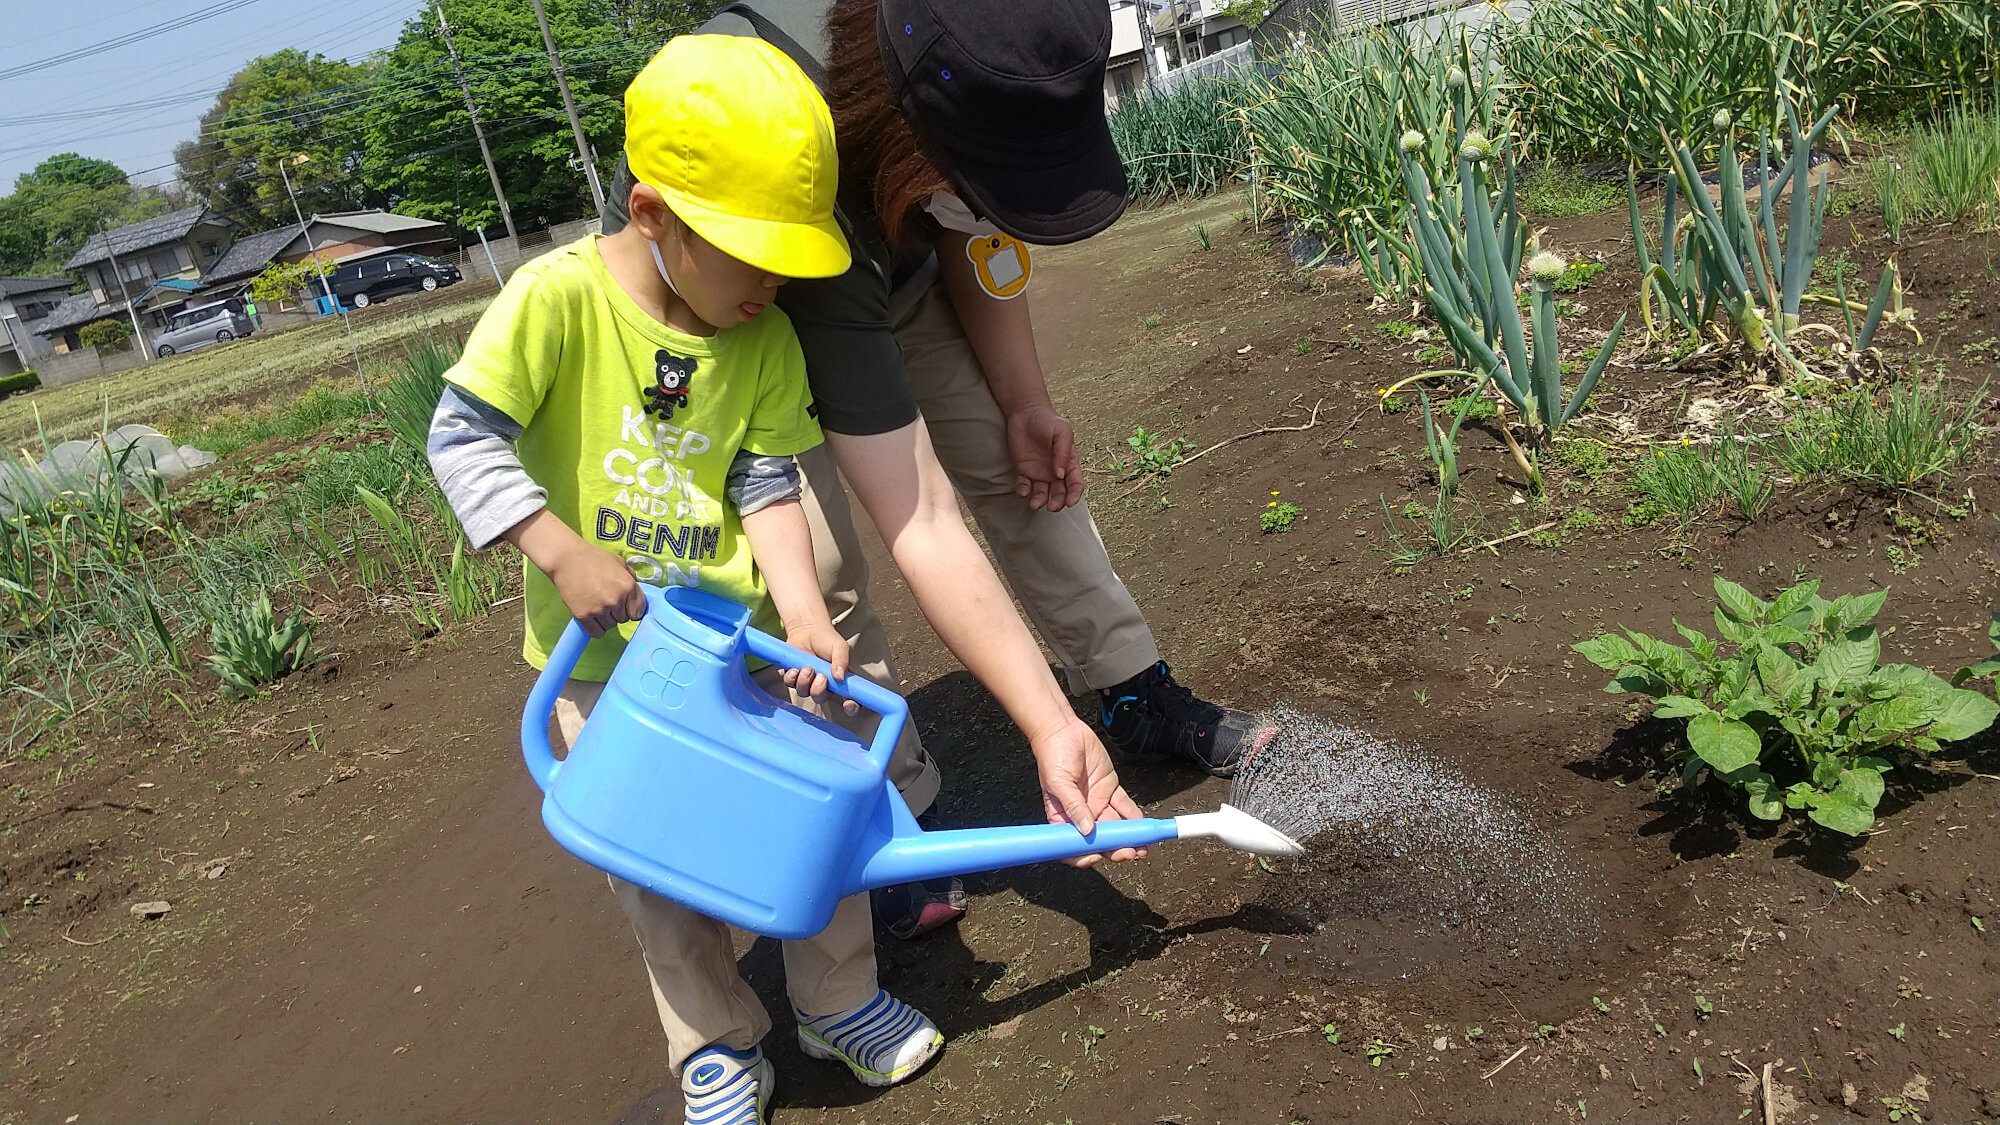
point(897, 478)
point(1002, 335)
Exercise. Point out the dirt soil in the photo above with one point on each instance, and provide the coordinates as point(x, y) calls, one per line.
point(368, 922)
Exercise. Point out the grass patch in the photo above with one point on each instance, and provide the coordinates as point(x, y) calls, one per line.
point(1917, 435)
point(1564, 189)
point(1947, 171)
point(1179, 144)
point(1588, 459)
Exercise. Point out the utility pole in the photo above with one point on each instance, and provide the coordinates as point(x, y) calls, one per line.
point(138, 333)
point(569, 106)
point(493, 174)
point(326, 287)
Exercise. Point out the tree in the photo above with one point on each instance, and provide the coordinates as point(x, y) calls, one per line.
point(279, 106)
point(418, 148)
point(57, 205)
point(656, 20)
point(281, 281)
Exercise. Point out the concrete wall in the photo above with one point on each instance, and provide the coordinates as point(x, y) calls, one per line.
point(84, 363)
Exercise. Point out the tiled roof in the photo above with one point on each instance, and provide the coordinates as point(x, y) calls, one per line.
point(19, 286)
point(248, 255)
point(166, 228)
point(77, 309)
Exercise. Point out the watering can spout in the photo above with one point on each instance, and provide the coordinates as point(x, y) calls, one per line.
point(909, 854)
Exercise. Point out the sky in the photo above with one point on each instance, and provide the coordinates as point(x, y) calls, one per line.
point(176, 73)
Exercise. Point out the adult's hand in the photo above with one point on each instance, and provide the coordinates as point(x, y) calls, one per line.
point(1079, 785)
point(1043, 447)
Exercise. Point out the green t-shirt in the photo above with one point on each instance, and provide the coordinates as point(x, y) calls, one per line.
point(568, 354)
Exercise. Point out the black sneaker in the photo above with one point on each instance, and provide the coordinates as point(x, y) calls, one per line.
point(1151, 718)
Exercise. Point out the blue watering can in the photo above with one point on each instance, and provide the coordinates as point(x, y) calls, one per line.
point(692, 782)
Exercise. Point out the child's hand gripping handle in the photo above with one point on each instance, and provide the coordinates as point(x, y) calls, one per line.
point(535, 717)
point(892, 707)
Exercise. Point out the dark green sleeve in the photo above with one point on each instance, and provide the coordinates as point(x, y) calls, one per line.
point(853, 362)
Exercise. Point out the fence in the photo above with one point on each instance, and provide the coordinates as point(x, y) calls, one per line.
point(1226, 63)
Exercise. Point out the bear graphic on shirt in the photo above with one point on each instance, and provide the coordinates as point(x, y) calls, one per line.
point(672, 377)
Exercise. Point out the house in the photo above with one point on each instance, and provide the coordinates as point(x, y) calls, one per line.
point(177, 246)
point(1187, 31)
point(1126, 71)
point(338, 238)
point(23, 299)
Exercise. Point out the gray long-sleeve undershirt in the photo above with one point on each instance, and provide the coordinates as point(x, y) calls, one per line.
point(471, 449)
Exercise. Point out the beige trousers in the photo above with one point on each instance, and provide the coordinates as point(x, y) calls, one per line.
point(690, 960)
point(1054, 561)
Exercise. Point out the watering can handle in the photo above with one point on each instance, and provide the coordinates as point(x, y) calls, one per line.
point(895, 711)
point(541, 706)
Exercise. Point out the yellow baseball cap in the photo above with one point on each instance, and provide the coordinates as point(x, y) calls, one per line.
point(740, 144)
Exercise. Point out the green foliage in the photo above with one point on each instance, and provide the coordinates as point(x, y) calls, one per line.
point(1185, 143)
point(1576, 276)
point(1556, 189)
point(283, 281)
point(252, 650)
point(1325, 126)
point(1588, 459)
point(1688, 479)
point(1153, 454)
point(429, 168)
point(1604, 77)
point(1918, 433)
point(1791, 706)
point(1948, 171)
point(410, 396)
point(279, 107)
point(1470, 261)
point(1201, 237)
point(18, 382)
point(59, 204)
point(110, 334)
point(1277, 517)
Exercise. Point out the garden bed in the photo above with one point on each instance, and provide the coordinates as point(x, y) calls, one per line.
point(391, 936)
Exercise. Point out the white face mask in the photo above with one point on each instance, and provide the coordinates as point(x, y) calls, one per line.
point(661, 264)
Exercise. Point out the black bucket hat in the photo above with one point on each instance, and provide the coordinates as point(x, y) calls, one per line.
point(1011, 92)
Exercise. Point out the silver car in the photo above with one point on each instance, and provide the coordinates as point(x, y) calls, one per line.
point(201, 326)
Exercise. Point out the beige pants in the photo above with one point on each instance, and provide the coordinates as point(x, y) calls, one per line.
point(1055, 561)
point(689, 957)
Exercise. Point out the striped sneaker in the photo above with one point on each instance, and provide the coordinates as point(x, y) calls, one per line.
point(725, 1087)
point(883, 1041)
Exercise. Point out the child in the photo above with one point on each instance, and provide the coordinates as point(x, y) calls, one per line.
point(631, 405)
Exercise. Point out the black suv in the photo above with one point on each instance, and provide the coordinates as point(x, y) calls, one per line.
point(358, 284)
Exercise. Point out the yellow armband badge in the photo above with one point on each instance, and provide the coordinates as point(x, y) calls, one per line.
point(1002, 264)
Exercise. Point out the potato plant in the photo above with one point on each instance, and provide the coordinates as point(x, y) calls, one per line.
point(1791, 706)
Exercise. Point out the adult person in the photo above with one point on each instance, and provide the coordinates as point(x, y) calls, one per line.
point(962, 125)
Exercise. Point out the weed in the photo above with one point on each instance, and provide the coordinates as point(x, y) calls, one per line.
point(1401, 331)
point(1302, 346)
point(1902, 560)
point(1378, 1049)
point(1562, 189)
point(1900, 1108)
point(1332, 1034)
point(1703, 1007)
point(1153, 454)
point(1152, 321)
point(1794, 691)
point(1435, 354)
point(252, 650)
point(1917, 434)
point(1201, 237)
point(1277, 517)
point(1583, 519)
point(1474, 1034)
point(1588, 459)
point(1578, 275)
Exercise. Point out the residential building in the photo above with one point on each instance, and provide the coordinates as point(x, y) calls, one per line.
point(1125, 74)
point(176, 246)
point(23, 299)
point(1187, 31)
point(337, 238)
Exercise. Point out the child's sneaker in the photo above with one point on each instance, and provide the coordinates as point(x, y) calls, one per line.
point(725, 1087)
point(883, 1041)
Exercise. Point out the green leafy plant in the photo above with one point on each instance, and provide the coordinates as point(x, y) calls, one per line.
point(1201, 237)
point(1378, 1049)
point(410, 396)
point(1277, 517)
point(1556, 189)
point(281, 282)
point(1183, 143)
point(18, 382)
point(1578, 275)
point(252, 650)
point(1153, 454)
point(1332, 1034)
point(1985, 669)
point(1791, 707)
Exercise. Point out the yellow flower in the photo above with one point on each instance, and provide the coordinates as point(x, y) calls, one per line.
point(1272, 504)
point(1274, 492)
point(1685, 441)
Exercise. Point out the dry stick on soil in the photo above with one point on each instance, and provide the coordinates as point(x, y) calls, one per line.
point(1492, 543)
point(1280, 1034)
point(1503, 1065)
point(74, 941)
point(1192, 457)
point(1770, 1113)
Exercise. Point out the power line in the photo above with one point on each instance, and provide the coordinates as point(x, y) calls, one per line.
point(129, 38)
